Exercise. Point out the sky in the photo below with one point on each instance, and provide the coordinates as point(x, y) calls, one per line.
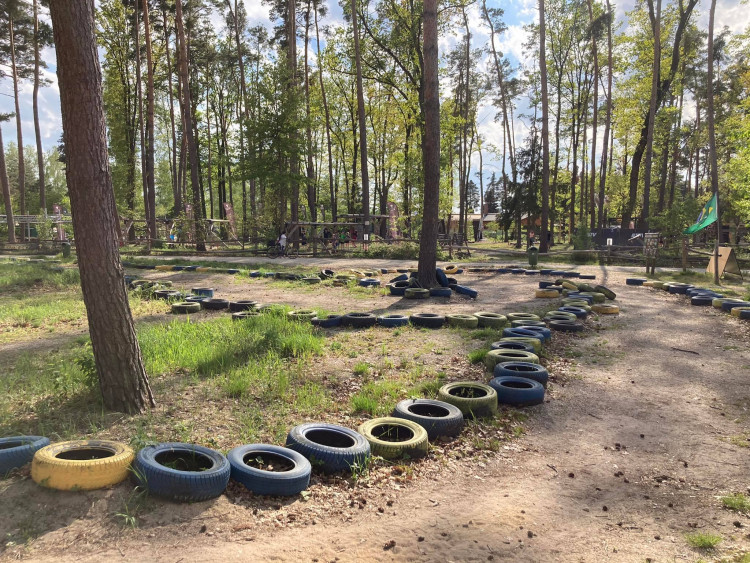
point(734, 14)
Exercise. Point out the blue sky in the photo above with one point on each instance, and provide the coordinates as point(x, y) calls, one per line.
point(517, 14)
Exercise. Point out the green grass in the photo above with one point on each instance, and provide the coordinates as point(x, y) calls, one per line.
point(22, 276)
point(738, 502)
point(361, 368)
point(703, 540)
point(477, 356)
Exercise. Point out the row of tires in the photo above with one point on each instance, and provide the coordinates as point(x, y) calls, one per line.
point(699, 296)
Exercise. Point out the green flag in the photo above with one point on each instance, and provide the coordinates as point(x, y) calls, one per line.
point(707, 216)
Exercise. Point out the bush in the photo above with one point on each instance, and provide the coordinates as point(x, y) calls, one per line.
point(394, 251)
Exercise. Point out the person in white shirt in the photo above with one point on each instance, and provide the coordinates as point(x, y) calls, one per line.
point(282, 242)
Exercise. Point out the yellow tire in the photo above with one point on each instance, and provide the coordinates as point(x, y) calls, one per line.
point(569, 285)
point(606, 309)
point(535, 342)
point(203, 269)
point(164, 268)
point(546, 293)
point(81, 465)
point(450, 269)
point(737, 311)
point(648, 283)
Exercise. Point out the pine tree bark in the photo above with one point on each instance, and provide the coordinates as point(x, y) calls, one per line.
point(362, 123)
point(334, 203)
point(19, 129)
point(122, 377)
point(6, 193)
point(655, 18)
point(595, 120)
point(607, 124)
point(430, 147)
point(149, 148)
point(35, 104)
point(176, 192)
point(712, 135)
point(543, 246)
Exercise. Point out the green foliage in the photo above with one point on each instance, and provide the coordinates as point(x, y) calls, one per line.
point(703, 540)
point(738, 502)
point(671, 222)
point(19, 276)
point(477, 356)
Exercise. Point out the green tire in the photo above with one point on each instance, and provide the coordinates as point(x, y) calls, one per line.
point(303, 316)
point(608, 293)
point(490, 320)
point(185, 307)
point(462, 321)
point(535, 342)
point(416, 293)
point(393, 438)
point(499, 355)
point(521, 316)
point(472, 399)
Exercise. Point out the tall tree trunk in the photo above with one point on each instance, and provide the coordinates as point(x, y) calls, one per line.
point(430, 147)
point(149, 149)
point(362, 123)
point(655, 79)
point(141, 128)
point(607, 124)
point(595, 120)
point(712, 136)
point(19, 129)
point(122, 377)
point(6, 193)
point(176, 192)
point(291, 54)
point(200, 227)
point(35, 102)
point(311, 203)
point(543, 246)
point(334, 203)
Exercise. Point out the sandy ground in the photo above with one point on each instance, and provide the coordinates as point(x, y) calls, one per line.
point(645, 430)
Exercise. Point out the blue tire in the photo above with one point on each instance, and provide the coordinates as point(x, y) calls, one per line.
point(565, 325)
point(679, 289)
point(399, 287)
point(203, 291)
point(531, 272)
point(440, 292)
point(542, 331)
point(463, 290)
point(197, 473)
point(517, 271)
point(329, 447)
point(523, 323)
point(392, 321)
point(557, 273)
point(701, 300)
point(577, 311)
point(292, 479)
point(587, 277)
point(329, 321)
point(635, 281)
point(441, 277)
point(526, 370)
point(402, 277)
point(545, 272)
point(727, 306)
point(545, 284)
point(437, 417)
point(190, 268)
point(523, 332)
point(369, 282)
point(17, 451)
point(517, 391)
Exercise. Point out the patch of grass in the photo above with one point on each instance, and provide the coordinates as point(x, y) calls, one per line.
point(477, 356)
point(703, 540)
point(490, 334)
point(377, 398)
point(361, 368)
point(22, 276)
point(738, 502)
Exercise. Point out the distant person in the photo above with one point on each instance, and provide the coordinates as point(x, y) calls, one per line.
point(282, 242)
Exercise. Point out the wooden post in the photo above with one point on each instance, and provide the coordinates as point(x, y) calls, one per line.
point(684, 254)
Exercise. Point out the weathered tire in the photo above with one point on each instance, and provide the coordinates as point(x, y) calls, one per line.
point(520, 323)
point(451, 269)
point(517, 391)
point(565, 325)
point(416, 293)
point(402, 277)
point(545, 284)
point(546, 294)
point(518, 316)
point(393, 438)
point(182, 472)
point(311, 280)
point(579, 312)
point(679, 288)
point(542, 331)
point(285, 482)
point(603, 309)
point(398, 288)
point(241, 305)
point(718, 301)
point(327, 274)
point(369, 282)
point(587, 277)
point(242, 315)
point(569, 285)
point(441, 277)
point(81, 465)
point(463, 290)
point(392, 321)
point(203, 291)
point(739, 312)
point(559, 316)
point(214, 304)
point(523, 332)
point(185, 307)
point(427, 320)
point(727, 306)
point(526, 370)
point(330, 448)
point(472, 399)
point(329, 321)
point(462, 321)
point(532, 340)
point(359, 320)
point(17, 451)
point(595, 295)
point(440, 292)
point(438, 418)
point(608, 293)
point(305, 315)
point(491, 320)
point(635, 281)
point(512, 345)
point(701, 300)
point(500, 355)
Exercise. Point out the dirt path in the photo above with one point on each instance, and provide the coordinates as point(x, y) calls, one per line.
point(631, 454)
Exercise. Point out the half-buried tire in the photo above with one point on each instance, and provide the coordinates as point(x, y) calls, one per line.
point(427, 320)
point(270, 470)
point(517, 391)
point(17, 451)
point(438, 418)
point(393, 438)
point(472, 399)
point(522, 369)
point(329, 447)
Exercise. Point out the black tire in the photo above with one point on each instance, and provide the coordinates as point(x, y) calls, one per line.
point(359, 320)
point(472, 399)
point(395, 290)
point(565, 325)
point(369, 282)
point(523, 331)
point(326, 274)
point(441, 277)
point(517, 391)
point(427, 320)
point(438, 418)
point(207, 478)
point(462, 321)
point(402, 277)
point(452, 282)
point(635, 281)
point(329, 321)
point(203, 291)
point(242, 305)
point(242, 315)
point(214, 304)
point(512, 345)
point(329, 447)
point(416, 293)
point(701, 300)
point(311, 280)
point(392, 321)
point(284, 482)
point(393, 438)
point(463, 290)
point(185, 308)
point(522, 369)
point(17, 451)
point(587, 277)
